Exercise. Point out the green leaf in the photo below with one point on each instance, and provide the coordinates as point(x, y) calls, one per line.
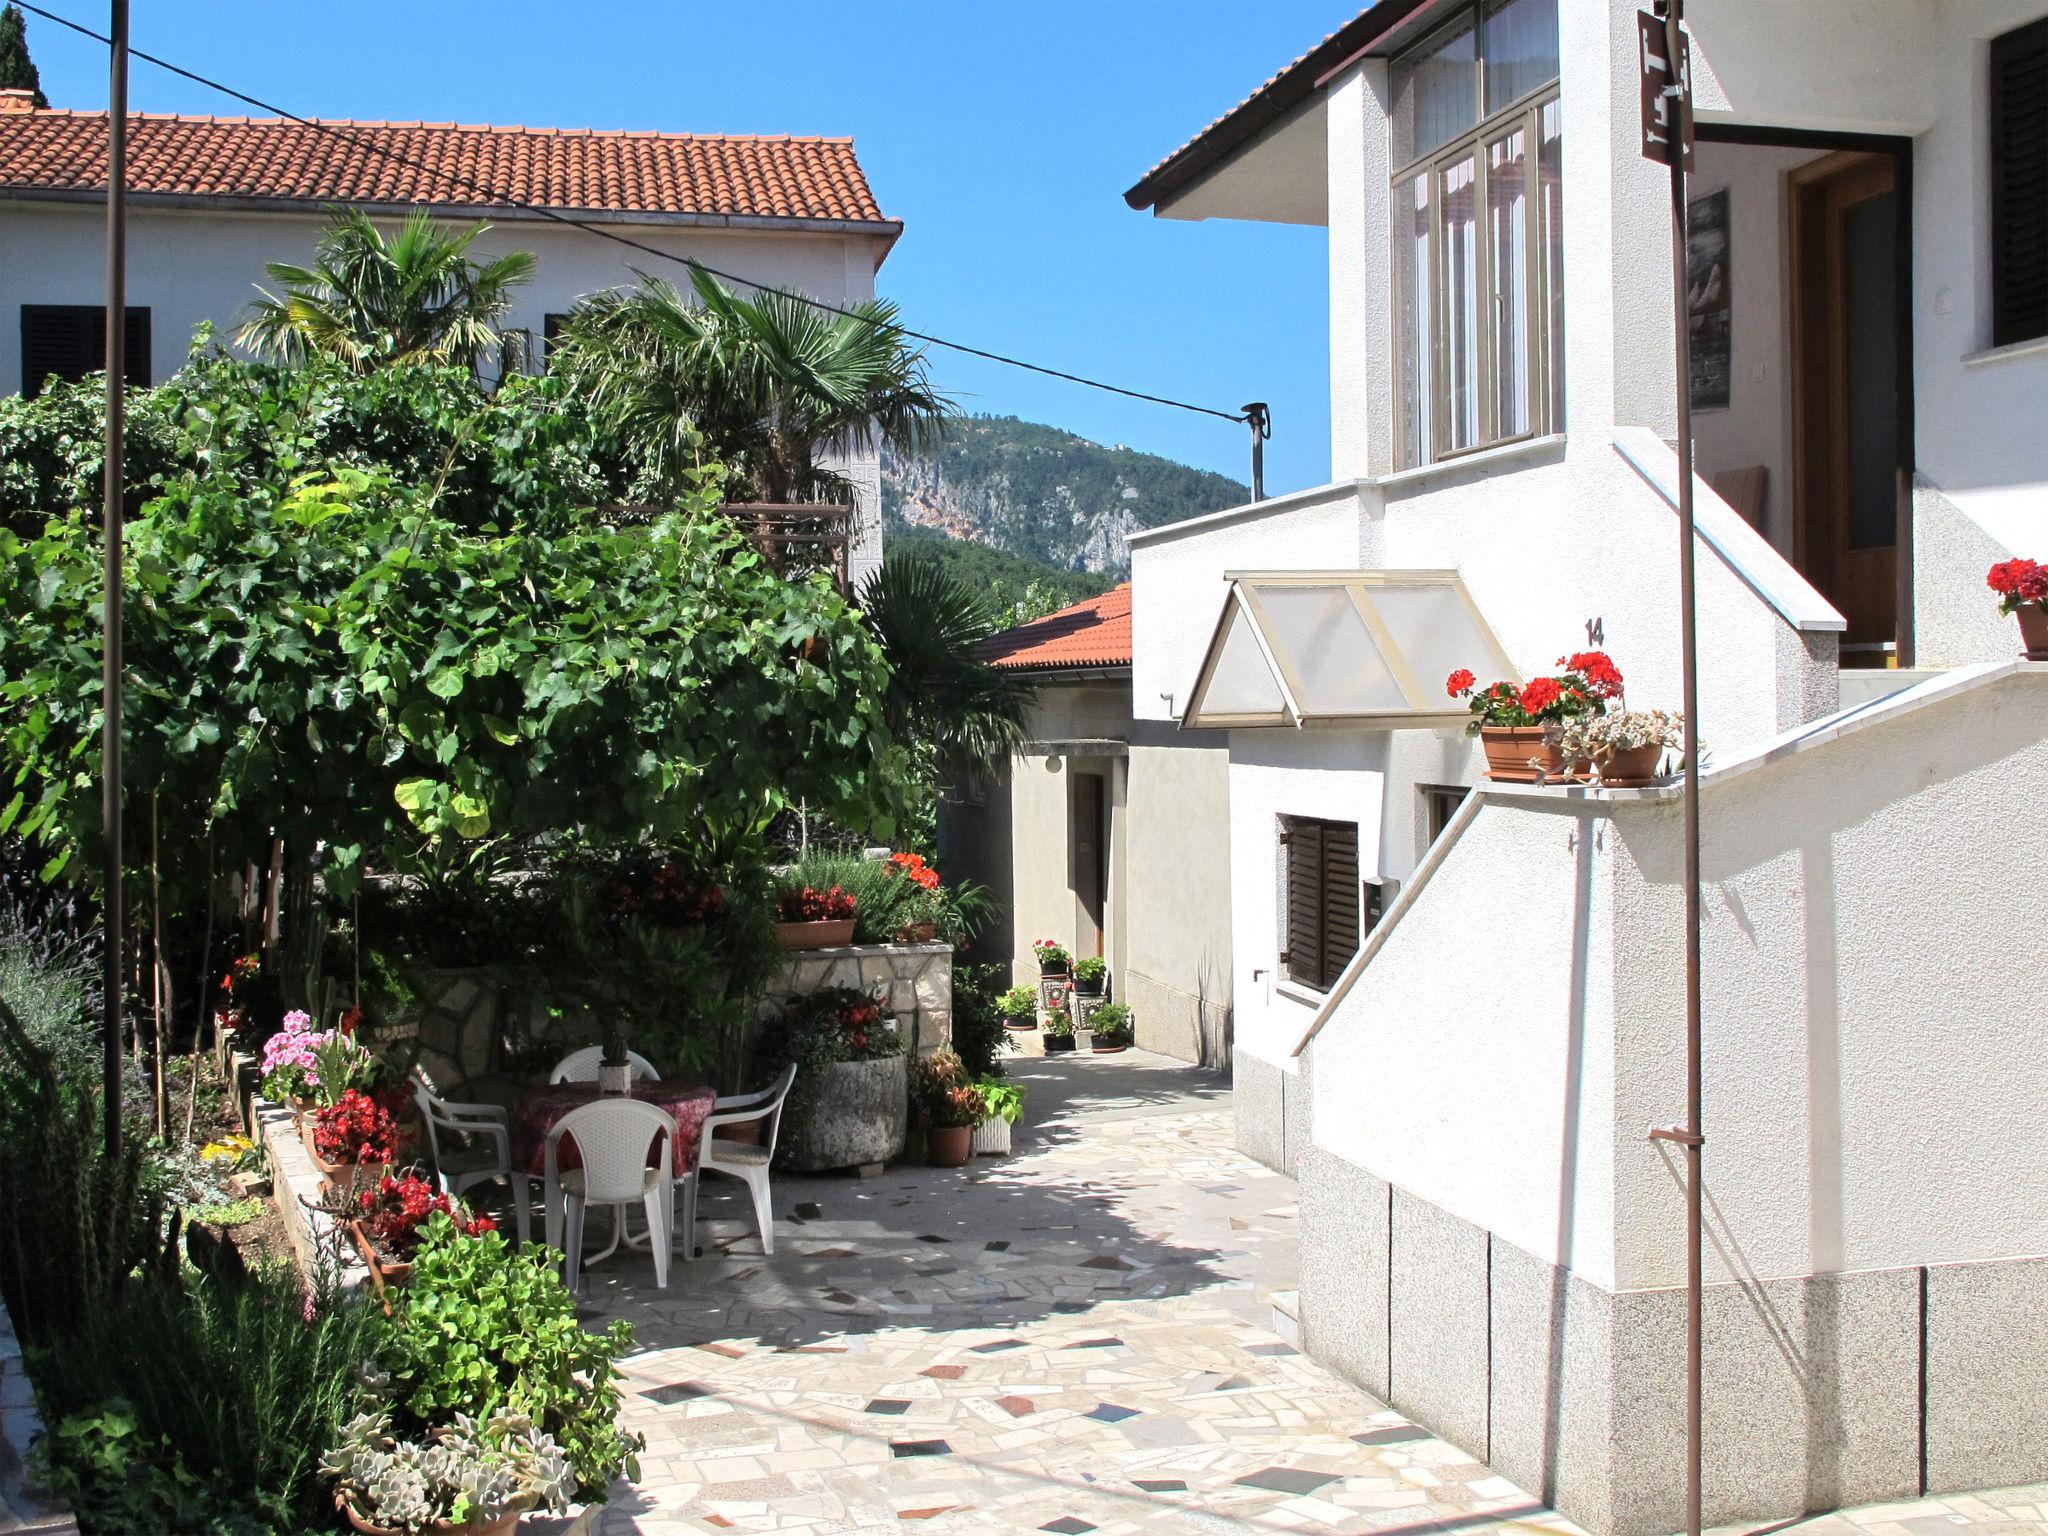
point(502, 730)
point(471, 816)
point(413, 795)
point(55, 867)
point(446, 683)
point(13, 810)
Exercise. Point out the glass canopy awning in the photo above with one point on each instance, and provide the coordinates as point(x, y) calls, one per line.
point(1369, 648)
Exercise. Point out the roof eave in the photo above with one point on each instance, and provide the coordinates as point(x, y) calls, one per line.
point(888, 230)
point(1067, 671)
point(1271, 103)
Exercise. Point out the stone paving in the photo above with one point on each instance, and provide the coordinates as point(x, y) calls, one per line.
point(1081, 1337)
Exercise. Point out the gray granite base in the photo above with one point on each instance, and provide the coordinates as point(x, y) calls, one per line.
point(1343, 1287)
point(1813, 1384)
point(1987, 1374)
point(1257, 1090)
point(1437, 1321)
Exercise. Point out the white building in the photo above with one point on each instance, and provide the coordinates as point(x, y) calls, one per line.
point(212, 200)
point(1490, 1240)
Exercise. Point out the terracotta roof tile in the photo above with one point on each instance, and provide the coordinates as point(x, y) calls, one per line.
point(1095, 633)
point(555, 168)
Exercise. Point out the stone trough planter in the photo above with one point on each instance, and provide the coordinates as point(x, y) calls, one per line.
point(858, 1119)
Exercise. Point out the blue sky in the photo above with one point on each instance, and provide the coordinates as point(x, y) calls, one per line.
point(1003, 132)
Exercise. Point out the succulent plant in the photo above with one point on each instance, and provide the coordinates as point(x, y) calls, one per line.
point(459, 1472)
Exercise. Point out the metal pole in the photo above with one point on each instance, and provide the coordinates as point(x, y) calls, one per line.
point(1260, 419)
point(112, 515)
point(1694, 1139)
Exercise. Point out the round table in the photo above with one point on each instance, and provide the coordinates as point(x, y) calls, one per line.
point(536, 1111)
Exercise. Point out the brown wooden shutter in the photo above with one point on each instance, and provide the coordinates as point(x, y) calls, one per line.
point(1302, 842)
point(1340, 899)
point(2019, 185)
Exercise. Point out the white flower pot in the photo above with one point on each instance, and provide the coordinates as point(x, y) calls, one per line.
point(993, 1135)
point(615, 1079)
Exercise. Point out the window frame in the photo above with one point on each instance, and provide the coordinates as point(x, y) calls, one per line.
point(1524, 112)
point(136, 356)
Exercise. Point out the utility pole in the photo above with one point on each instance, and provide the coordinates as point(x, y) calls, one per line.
point(1259, 417)
point(112, 515)
point(1667, 136)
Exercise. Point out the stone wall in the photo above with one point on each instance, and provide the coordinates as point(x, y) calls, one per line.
point(913, 981)
point(469, 1021)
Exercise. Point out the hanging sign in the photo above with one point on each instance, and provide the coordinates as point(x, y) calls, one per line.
point(1667, 112)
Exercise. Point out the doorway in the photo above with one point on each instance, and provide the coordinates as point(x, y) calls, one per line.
point(1090, 810)
point(1850, 402)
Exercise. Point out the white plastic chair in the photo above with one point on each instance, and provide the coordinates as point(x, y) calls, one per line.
point(613, 1136)
point(581, 1066)
point(739, 1160)
point(479, 1148)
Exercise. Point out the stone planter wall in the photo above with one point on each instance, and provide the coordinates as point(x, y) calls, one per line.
point(914, 982)
point(859, 1121)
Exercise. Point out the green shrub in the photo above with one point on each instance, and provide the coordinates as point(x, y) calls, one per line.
point(1111, 1023)
point(978, 1014)
point(51, 981)
point(220, 1396)
point(484, 1327)
point(1090, 968)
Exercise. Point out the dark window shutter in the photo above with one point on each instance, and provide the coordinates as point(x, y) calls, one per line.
point(70, 341)
point(1341, 897)
point(550, 329)
point(2019, 185)
point(1303, 841)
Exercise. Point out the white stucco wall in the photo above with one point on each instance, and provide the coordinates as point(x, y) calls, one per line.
point(1872, 1068)
point(188, 266)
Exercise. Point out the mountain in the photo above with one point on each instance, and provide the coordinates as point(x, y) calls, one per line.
point(1015, 588)
point(1045, 494)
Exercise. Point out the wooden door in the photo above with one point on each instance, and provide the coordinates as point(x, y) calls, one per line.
point(1091, 860)
point(1847, 353)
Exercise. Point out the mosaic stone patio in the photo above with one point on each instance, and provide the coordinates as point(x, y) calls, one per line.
point(1081, 1337)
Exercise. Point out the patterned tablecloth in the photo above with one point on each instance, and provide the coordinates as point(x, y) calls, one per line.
point(538, 1109)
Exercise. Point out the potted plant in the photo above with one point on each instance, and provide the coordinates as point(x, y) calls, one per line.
point(1621, 749)
point(1058, 1033)
point(1053, 957)
point(340, 1063)
point(290, 1073)
point(1109, 1028)
point(808, 918)
point(1091, 972)
point(1511, 722)
point(1018, 1007)
point(948, 1107)
point(386, 1220)
point(2022, 588)
point(465, 1477)
point(355, 1131)
point(1004, 1101)
point(921, 908)
point(482, 1327)
point(847, 1106)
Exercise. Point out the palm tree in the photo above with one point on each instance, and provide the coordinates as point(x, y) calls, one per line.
point(942, 696)
point(766, 385)
point(368, 300)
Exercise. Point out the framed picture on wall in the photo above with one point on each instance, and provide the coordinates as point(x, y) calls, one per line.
point(1707, 299)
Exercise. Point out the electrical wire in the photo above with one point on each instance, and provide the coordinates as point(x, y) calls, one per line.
point(493, 196)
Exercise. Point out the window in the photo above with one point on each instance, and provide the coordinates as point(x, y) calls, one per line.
point(1440, 803)
point(70, 341)
point(2019, 185)
point(550, 328)
point(1477, 213)
point(1326, 909)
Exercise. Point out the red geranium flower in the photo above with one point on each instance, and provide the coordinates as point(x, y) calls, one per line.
point(2018, 582)
point(1539, 694)
point(1460, 682)
point(1603, 677)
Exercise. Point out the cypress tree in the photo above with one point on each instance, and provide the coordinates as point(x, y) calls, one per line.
point(17, 69)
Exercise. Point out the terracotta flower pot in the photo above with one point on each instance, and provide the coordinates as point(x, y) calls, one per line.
point(333, 1170)
point(836, 934)
point(949, 1146)
point(917, 933)
point(1508, 749)
point(497, 1527)
point(385, 1277)
point(1628, 767)
point(1022, 1026)
point(2034, 631)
